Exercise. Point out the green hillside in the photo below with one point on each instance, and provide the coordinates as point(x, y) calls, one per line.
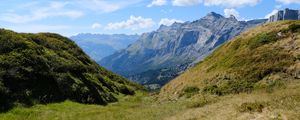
point(45, 68)
point(263, 57)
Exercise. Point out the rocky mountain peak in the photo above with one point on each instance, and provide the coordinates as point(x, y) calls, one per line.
point(180, 44)
point(213, 15)
point(232, 17)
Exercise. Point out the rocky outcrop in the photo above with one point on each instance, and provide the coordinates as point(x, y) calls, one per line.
point(180, 44)
point(286, 14)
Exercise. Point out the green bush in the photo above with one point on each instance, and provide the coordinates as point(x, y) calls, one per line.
point(229, 87)
point(212, 89)
point(270, 85)
point(262, 39)
point(252, 107)
point(189, 91)
point(294, 28)
point(198, 103)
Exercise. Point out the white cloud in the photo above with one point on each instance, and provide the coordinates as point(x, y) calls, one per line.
point(157, 3)
point(272, 13)
point(168, 22)
point(96, 25)
point(229, 12)
point(55, 9)
point(231, 3)
point(133, 23)
point(289, 1)
point(105, 6)
point(185, 2)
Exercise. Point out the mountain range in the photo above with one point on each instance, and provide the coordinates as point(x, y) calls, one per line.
point(159, 56)
point(98, 46)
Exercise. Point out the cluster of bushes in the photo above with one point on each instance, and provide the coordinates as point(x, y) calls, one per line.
point(265, 38)
point(262, 39)
point(189, 91)
point(229, 87)
point(252, 107)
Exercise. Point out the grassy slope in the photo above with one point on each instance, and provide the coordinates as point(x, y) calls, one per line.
point(259, 58)
point(46, 68)
point(137, 107)
point(277, 105)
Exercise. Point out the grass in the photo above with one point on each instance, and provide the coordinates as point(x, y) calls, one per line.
point(283, 103)
point(128, 108)
point(262, 105)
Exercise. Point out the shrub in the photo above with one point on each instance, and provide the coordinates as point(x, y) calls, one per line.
point(252, 107)
point(269, 85)
point(262, 39)
point(198, 103)
point(126, 90)
point(212, 89)
point(229, 87)
point(190, 91)
point(294, 28)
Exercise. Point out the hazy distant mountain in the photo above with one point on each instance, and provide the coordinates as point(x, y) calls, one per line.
point(174, 48)
point(98, 46)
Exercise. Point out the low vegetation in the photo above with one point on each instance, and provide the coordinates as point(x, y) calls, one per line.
point(278, 104)
point(252, 107)
point(45, 68)
point(190, 91)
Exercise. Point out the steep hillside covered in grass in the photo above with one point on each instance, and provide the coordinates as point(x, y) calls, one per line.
point(46, 67)
point(261, 58)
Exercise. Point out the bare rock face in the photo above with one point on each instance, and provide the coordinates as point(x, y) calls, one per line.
point(286, 14)
point(174, 48)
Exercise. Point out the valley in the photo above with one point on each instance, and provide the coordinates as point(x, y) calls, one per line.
point(145, 60)
point(268, 91)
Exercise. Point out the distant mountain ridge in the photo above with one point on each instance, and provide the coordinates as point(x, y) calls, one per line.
point(98, 46)
point(180, 44)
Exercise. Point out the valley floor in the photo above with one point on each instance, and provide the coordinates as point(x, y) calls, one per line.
point(278, 104)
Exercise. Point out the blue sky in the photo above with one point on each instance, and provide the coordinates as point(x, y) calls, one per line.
point(70, 17)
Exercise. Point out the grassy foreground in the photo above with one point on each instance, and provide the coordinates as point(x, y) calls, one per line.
point(128, 108)
point(278, 104)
